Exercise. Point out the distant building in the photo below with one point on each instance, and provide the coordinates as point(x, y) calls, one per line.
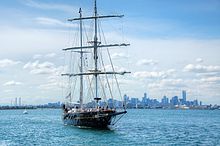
point(118, 103)
point(195, 103)
point(184, 97)
point(19, 101)
point(164, 101)
point(148, 102)
point(110, 103)
point(145, 95)
point(181, 102)
point(54, 105)
point(174, 101)
point(134, 102)
point(145, 100)
point(126, 99)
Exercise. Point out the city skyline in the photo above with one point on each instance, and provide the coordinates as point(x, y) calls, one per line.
point(163, 100)
point(174, 47)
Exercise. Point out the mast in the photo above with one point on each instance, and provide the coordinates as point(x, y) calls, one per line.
point(95, 72)
point(96, 55)
point(81, 61)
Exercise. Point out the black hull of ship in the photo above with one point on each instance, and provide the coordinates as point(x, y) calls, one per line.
point(90, 119)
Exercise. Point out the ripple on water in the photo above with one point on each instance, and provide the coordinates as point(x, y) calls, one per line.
point(138, 127)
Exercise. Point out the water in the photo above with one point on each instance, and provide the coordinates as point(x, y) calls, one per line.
point(138, 127)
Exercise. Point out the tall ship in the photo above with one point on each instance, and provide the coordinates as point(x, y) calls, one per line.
point(91, 82)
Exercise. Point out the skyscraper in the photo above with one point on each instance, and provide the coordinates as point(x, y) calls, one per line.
point(184, 96)
point(144, 99)
point(126, 100)
point(164, 101)
point(145, 95)
point(174, 101)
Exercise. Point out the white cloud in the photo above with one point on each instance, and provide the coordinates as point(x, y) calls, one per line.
point(8, 91)
point(54, 81)
point(53, 22)
point(37, 56)
point(172, 83)
point(199, 60)
point(208, 74)
point(146, 74)
point(40, 56)
point(43, 68)
point(51, 72)
point(31, 41)
point(169, 87)
point(175, 51)
point(116, 68)
point(201, 68)
point(50, 55)
point(126, 82)
point(8, 62)
point(36, 64)
point(147, 62)
point(12, 83)
point(49, 6)
point(211, 79)
point(119, 55)
point(51, 85)
point(153, 74)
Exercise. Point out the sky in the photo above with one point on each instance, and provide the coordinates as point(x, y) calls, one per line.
point(175, 46)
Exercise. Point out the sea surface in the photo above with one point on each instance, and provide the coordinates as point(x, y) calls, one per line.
point(44, 127)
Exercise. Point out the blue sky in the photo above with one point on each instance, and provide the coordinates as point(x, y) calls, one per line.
point(174, 46)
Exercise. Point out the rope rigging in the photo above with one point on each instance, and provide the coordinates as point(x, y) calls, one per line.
point(100, 61)
point(111, 62)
